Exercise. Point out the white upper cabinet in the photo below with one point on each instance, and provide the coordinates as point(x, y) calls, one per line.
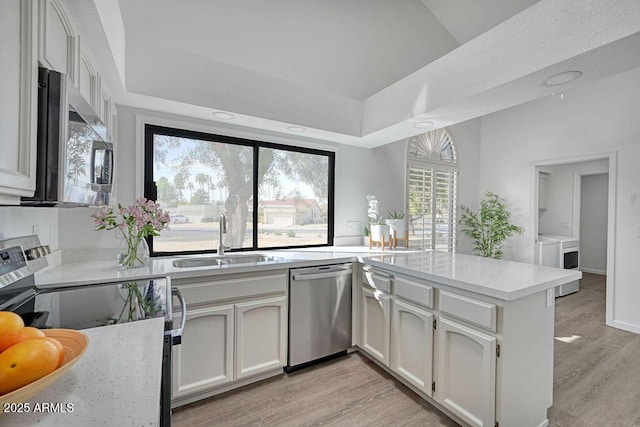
point(18, 100)
point(88, 82)
point(58, 42)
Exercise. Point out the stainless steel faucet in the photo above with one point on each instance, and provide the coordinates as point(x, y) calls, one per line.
point(223, 230)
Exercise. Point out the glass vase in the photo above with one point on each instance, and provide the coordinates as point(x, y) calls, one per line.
point(135, 306)
point(133, 253)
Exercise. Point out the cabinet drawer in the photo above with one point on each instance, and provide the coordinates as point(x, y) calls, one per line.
point(414, 291)
point(377, 280)
point(473, 311)
point(230, 287)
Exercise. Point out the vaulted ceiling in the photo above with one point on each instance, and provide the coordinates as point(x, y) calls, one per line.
point(360, 71)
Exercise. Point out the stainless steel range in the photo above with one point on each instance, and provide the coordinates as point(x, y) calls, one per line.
point(81, 307)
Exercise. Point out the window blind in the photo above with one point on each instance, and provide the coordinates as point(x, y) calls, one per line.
point(432, 202)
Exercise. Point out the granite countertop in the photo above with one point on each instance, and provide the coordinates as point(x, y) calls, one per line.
point(505, 280)
point(115, 383)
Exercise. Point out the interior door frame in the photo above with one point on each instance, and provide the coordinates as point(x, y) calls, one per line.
point(612, 157)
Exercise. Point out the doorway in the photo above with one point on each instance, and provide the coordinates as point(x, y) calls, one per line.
point(563, 207)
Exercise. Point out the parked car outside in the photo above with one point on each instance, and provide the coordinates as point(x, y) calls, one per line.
point(179, 219)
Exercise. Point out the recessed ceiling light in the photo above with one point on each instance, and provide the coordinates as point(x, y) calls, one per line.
point(223, 115)
point(423, 124)
point(296, 129)
point(562, 78)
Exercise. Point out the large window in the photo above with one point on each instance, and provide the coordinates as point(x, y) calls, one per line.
point(273, 196)
point(432, 174)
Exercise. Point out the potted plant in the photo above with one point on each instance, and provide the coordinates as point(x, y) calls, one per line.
point(397, 223)
point(490, 227)
point(380, 229)
point(377, 227)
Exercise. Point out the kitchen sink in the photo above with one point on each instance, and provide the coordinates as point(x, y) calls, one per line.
point(222, 260)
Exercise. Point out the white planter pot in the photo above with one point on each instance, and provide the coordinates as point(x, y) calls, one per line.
point(399, 226)
point(379, 230)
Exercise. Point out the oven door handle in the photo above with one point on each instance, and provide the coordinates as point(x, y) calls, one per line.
point(176, 334)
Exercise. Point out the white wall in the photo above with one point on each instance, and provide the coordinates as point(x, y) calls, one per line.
point(558, 218)
point(596, 118)
point(388, 175)
point(16, 221)
point(593, 223)
point(73, 229)
point(353, 164)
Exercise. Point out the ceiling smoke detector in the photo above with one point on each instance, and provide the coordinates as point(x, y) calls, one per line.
point(563, 78)
point(223, 115)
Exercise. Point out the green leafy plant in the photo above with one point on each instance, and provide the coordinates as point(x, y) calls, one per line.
point(490, 227)
point(366, 231)
point(395, 215)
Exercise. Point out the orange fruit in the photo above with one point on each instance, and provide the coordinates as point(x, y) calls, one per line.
point(11, 326)
point(30, 332)
point(27, 361)
point(60, 350)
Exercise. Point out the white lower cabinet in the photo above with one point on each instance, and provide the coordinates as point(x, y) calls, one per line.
point(226, 343)
point(465, 372)
point(376, 323)
point(235, 333)
point(205, 358)
point(261, 336)
point(412, 345)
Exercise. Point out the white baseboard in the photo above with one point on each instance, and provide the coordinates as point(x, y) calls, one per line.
point(593, 271)
point(626, 326)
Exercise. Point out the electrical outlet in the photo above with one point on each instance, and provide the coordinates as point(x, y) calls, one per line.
point(565, 224)
point(353, 227)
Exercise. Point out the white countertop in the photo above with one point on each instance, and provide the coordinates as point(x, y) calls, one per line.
point(500, 279)
point(505, 280)
point(115, 383)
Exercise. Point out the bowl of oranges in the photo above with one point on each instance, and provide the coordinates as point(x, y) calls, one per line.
point(32, 359)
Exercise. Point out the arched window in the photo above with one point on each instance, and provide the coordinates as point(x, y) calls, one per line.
point(432, 176)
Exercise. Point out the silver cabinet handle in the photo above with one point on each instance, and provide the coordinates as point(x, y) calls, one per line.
point(176, 334)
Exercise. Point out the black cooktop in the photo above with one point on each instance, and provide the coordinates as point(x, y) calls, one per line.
point(91, 306)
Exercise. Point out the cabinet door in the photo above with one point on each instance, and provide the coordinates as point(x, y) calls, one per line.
point(376, 322)
point(204, 360)
point(465, 375)
point(412, 345)
point(261, 336)
point(57, 45)
point(18, 100)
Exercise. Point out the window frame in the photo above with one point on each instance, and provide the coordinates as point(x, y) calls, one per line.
point(150, 190)
point(435, 165)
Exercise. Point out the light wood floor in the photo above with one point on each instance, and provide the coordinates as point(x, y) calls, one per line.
point(596, 383)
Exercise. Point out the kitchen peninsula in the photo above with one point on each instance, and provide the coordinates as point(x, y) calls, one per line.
point(473, 336)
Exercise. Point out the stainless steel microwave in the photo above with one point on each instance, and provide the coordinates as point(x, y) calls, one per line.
point(75, 161)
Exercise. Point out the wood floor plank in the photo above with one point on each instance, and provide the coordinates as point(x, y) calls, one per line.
point(596, 383)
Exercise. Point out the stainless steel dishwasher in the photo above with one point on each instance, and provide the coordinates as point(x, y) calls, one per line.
point(319, 314)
